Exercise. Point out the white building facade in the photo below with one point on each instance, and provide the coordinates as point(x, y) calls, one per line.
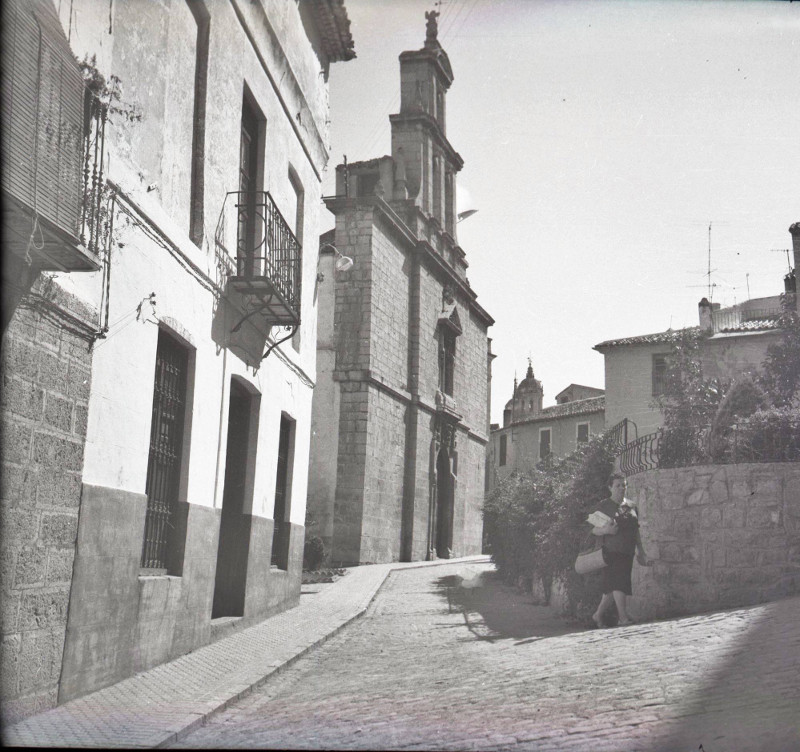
point(195, 465)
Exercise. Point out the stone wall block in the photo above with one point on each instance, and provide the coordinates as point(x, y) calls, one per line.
point(58, 413)
point(16, 445)
point(742, 557)
point(19, 526)
point(698, 496)
point(31, 566)
point(733, 515)
point(54, 451)
point(711, 518)
point(672, 500)
point(740, 489)
point(763, 517)
point(9, 664)
point(81, 418)
point(40, 659)
point(22, 398)
point(9, 610)
point(59, 489)
point(59, 566)
point(53, 372)
point(17, 484)
point(21, 358)
point(59, 530)
point(718, 492)
point(41, 610)
point(79, 383)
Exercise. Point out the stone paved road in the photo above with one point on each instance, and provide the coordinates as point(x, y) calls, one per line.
point(434, 666)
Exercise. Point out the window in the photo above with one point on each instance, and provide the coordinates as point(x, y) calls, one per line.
point(503, 448)
point(659, 374)
point(582, 435)
point(282, 529)
point(447, 359)
point(251, 157)
point(203, 21)
point(544, 443)
point(166, 451)
point(296, 215)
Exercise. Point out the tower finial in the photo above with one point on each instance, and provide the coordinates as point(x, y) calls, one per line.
point(431, 25)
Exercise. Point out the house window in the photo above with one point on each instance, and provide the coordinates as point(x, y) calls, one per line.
point(251, 156)
point(582, 435)
point(544, 443)
point(659, 374)
point(283, 484)
point(203, 21)
point(503, 448)
point(166, 451)
point(447, 359)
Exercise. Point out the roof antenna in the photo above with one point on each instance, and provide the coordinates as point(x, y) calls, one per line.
point(709, 260)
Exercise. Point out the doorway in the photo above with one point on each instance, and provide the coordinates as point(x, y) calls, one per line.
point(444, 506)
point(234, 528)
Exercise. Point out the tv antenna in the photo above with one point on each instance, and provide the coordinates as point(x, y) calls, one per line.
point(787, 252)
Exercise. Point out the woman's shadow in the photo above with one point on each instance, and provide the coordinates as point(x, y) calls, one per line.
point(494, 610)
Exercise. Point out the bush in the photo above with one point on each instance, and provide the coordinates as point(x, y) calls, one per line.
point(313, 552)
point(535, 522)
point(771, 435)
point(742, 399)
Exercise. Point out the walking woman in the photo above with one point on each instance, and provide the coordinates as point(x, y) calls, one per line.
point(621, 540)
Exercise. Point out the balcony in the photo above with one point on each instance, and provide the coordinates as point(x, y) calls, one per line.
point(53, 135)
point(264, 279)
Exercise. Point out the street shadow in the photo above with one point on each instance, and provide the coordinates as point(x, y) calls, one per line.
point(493, 610)
point(751, 700)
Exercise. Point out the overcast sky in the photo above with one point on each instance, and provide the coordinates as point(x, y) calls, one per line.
point(600, 139)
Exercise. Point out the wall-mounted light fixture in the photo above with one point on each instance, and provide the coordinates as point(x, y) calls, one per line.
point(468, 213)
point(342, 264)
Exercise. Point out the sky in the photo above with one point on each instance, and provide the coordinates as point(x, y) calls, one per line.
point(600, 141)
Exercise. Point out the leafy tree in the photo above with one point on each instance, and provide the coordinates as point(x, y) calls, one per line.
point(781, 373)
point(688, 403)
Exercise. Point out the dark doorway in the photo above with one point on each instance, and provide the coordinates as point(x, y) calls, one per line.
point(282, 530)
point(234, 528)
point(444, 506)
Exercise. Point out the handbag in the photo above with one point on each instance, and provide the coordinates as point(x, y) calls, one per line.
point(590, 561)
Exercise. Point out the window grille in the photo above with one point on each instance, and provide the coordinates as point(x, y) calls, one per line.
point(583, 433)
point(166, 449)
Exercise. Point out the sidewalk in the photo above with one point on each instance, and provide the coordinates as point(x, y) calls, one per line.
point(165, 703)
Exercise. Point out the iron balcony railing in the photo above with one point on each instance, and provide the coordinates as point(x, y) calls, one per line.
point(640, 455)
point(751, 440)
point(267, 254)
point(93, 208)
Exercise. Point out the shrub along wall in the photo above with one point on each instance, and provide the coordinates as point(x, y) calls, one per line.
point(719, 535)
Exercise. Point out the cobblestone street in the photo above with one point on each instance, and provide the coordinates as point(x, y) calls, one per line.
point(433, 665)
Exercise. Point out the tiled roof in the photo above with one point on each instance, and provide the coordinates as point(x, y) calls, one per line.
point(578, 407)
point(659, 338)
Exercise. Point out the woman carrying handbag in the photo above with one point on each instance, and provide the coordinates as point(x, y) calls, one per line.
point(621, 540)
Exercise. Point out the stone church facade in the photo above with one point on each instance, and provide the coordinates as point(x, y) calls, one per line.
point(400, 410)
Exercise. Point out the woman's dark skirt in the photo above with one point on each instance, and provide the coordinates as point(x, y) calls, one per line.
point(617, 572)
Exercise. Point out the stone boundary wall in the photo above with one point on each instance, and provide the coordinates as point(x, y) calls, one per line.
point(46, 373)
point(719, 536)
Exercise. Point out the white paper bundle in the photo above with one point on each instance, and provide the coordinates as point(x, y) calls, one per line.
point(598, 519)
